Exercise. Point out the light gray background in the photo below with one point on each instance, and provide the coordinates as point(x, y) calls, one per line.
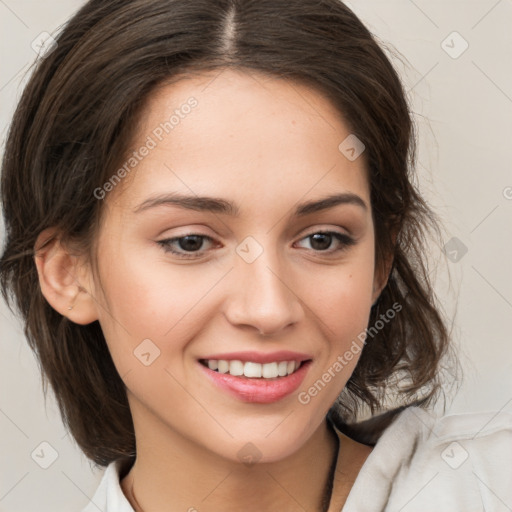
point(463, 110)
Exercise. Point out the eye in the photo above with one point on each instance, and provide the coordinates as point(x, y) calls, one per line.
point(191, 246)
point(186, 246)
point(321, 241)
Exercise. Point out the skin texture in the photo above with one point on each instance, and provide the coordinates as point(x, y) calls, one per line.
point(265, 144)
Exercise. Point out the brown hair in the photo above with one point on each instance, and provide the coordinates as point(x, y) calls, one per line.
point(73, 125)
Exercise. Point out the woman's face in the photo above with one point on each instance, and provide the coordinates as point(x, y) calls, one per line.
point(241, 169)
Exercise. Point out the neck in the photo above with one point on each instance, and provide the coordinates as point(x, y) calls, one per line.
point(173, 474)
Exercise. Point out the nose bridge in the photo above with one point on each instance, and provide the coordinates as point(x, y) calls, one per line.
point(262, 296)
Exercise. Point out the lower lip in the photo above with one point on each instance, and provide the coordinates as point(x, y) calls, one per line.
point(263, 391)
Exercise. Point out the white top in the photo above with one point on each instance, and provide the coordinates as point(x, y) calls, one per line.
point(421, 463)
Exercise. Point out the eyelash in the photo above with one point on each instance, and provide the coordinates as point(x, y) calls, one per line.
point(345, 241)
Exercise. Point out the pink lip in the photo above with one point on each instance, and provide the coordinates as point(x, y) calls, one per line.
point(263, 391)
point(260, 357)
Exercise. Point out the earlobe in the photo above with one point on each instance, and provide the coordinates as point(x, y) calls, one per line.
point(61, 278)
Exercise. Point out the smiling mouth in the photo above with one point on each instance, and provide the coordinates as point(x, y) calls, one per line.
point(253, 370)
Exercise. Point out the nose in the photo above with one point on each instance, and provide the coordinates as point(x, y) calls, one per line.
point(262, 296)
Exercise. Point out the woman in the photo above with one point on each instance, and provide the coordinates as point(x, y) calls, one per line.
point(214, 240)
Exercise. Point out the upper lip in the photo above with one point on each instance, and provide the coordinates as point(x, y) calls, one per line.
point(260, 357)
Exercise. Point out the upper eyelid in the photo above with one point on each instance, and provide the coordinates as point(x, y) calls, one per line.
point(314, 229)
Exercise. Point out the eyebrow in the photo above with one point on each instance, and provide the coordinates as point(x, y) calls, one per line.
point(222, 206)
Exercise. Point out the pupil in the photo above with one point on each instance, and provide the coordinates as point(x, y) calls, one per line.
point(322, 238)
point(190, 242)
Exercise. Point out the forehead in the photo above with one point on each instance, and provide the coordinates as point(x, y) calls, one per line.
point(243, 134)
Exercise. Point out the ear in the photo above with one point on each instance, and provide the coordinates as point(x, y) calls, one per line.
point(65, 279)
point(381, 278)
point(380, 282)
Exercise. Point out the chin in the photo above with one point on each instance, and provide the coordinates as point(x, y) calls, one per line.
point(262, 448)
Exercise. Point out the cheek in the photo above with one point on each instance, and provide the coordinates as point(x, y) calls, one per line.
point(341, 297)
point(157, 302)
point(342, 305)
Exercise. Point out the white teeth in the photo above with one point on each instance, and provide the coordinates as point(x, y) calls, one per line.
point(236, 368)
point(223, 366)
point(253, 370)
point(282, 368)
point(269, 370)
